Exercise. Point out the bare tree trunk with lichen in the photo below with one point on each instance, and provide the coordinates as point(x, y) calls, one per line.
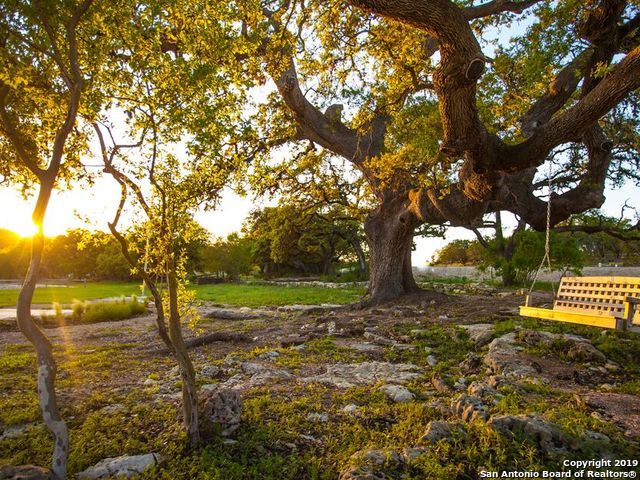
point(187, 372)
point(46, 362)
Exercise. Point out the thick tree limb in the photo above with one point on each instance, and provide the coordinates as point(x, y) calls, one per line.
point(496, 7)
point(569, 125)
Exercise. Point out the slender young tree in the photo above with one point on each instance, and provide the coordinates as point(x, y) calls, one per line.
point(51, 60)
point(179, 91)
point(167, 228)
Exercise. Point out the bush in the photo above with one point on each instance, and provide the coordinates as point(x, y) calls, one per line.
point(116, 310)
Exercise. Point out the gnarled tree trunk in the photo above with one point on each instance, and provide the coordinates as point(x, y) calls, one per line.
point(389, 231)
point(46, 362)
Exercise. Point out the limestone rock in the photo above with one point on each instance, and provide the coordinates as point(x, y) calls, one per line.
point(222, 407)
point(210, 371)
point(482, 390)
point(124, 466)
point(479, 333)
point(469, 408)
point(503, 358)
point(350, 409)
point(440, 385)
point(25, 472)
point(234, 314)
point(546, 435)
point(438, 430)
point(361, 473)
point(318, 417)
point(347, 375)
point(398, 393)
point(258, 375)
point(585, 352)
point(471, 362)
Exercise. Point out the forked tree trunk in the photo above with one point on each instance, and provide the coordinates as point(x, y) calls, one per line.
point(46, 362)
point(187, 372)
point(389, 232)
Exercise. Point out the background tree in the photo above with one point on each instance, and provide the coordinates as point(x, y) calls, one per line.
point(290, 238)
point(459, 252)
point(437, 141)
point(230, 256)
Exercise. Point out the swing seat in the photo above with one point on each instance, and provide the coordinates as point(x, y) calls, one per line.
point(606, 302)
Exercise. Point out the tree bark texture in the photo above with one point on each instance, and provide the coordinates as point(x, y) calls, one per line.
point(187, 372)
point(389, 230)
point(46, 362)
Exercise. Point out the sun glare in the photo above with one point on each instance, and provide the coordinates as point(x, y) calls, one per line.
point(29, 229)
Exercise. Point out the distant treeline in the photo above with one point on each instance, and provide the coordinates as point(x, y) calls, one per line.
point(275, 241)
point(78, 254)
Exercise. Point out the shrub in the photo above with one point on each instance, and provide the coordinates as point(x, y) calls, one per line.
point(78, 309)
point(115, 310)
point(58, 309)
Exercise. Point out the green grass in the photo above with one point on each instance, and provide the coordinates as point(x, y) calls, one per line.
point(259, 295)
point(66, 295)
point(233, 294)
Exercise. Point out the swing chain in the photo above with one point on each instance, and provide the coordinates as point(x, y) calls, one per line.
point(547, 242)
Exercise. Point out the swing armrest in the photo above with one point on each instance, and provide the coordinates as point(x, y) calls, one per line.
point(633, 303)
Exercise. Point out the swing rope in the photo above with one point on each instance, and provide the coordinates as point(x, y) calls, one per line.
point(547, 243)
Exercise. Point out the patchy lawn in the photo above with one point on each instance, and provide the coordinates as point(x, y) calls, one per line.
point(67, 294)
point(243, 295)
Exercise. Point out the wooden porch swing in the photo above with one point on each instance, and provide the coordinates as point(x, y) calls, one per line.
point(606, 302)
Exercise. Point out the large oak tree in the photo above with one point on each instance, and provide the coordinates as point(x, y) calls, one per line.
point(442, 133)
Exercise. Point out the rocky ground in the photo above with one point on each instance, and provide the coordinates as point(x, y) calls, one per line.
point(436, 386)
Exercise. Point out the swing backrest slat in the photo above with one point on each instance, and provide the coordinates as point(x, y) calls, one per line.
point(597, 295)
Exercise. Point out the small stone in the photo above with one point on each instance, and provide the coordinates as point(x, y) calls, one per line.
point(431, 360)
point(471, 362)
point(377, 457)
point(479, 333)
point(412, 454)
point(398, 393)
point(440, 385)
point(272, 355)
point(585, 352)
point(469, 408)
point(482, 390)
point(350, 409)
point(547, 435)
point(438, 430)
point(210, 371)
point(597, 436)
point(149, 382)
point(318, 417)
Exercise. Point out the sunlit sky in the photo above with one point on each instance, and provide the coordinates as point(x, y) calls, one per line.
point(92, 207)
